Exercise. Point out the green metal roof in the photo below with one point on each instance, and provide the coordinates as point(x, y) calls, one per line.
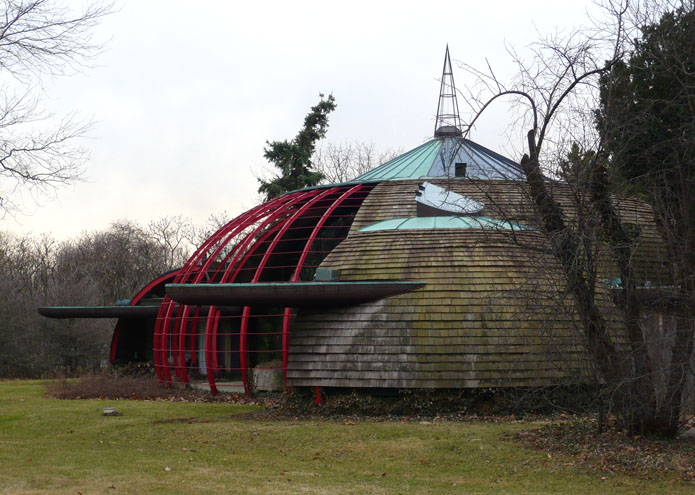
point(425, 223)
point(411, 165)
point(437, 158)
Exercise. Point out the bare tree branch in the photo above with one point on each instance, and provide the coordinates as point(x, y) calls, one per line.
point(39, 39)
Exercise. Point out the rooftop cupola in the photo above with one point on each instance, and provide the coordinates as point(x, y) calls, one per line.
point(448, 122)
point(448, 153)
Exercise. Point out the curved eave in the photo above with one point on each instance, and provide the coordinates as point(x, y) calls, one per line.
point(300, 294)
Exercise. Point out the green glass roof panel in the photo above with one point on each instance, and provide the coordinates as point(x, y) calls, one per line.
point(450, 222)
point(414, 164)
point(390, 224)
point(437, 158)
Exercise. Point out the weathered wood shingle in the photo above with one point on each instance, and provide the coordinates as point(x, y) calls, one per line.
point(494, 313)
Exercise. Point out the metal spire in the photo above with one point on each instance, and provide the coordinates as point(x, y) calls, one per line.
point(448, 122)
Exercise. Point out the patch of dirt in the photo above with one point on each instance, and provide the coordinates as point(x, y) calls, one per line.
point(614, 451)
point(136, 388)
point(404, 406)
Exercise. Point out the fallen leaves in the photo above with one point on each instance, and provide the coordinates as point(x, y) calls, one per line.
point(613, 452)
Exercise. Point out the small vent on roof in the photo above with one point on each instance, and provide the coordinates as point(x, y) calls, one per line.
point(460, 169)
point(435, 201)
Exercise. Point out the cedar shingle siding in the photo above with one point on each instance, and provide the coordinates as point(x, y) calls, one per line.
point(494, 312)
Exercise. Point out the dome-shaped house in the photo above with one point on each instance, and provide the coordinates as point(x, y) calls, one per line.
point(425, 272)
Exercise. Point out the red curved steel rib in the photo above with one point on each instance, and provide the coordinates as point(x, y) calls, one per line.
point(133, 302)
point(165, 310)
point(180, 357)
point(300, 265)
point(242, 349)
point(164, 340)
point(285, 343)
point(261, 266)
point(229, 276)
point(208, 353)
point(205, 258)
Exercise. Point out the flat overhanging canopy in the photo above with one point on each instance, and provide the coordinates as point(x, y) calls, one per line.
point(231, 296)
point(99, 311)
point(294, 294)
point(126, 312)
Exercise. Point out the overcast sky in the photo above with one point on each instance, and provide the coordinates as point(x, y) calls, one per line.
point(187, 93)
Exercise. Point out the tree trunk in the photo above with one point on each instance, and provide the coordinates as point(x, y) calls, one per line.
point(564, 245)
point(626, 376)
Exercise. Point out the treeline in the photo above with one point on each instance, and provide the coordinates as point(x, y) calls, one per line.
point(97, 268)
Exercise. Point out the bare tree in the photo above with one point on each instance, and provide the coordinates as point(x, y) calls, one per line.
point(37, 272)
point(345, 161)
point(40, 39)
point(215, 222)
point(174, 235)
point(555, 93)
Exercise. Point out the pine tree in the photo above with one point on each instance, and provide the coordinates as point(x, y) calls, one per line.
point(293, 158)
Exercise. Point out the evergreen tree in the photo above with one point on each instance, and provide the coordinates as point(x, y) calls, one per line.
point(293, 158)
point(647, 114)
point(647, 122)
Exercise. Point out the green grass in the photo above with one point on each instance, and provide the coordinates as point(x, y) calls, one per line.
point(50, 446)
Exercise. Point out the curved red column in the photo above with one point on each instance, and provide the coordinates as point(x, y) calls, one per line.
point(261, 266)
point(203, 258)
point(228, 277)
point(209, 368)
point(242, 348)
point(180, 359)
point(300, 265)
point(145, 291)
point(258, 233)
point(164, 344)
point(285, 343)
point(165, 311)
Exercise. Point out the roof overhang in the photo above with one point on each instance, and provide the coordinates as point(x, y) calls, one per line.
point(289, 294)
point(134, 312)
point(121, 312)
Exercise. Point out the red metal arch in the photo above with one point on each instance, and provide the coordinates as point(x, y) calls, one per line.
point(205, 259)
point(237, 247)
point(211, 330)
point(300, 265)
point(261, 266)
point(162, 279)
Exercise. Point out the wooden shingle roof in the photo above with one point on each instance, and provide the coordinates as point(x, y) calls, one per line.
point(494, 312)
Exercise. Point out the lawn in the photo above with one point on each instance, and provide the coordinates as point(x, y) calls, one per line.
point(52, 446)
